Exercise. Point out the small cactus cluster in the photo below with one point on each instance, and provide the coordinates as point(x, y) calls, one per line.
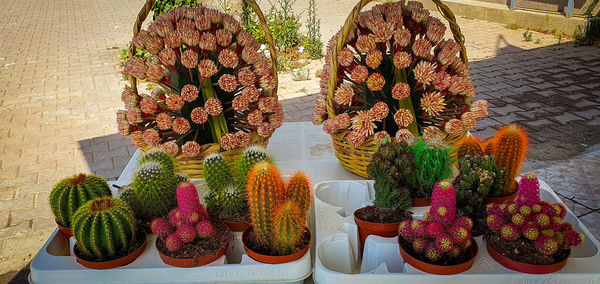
point(186, 223)
point(70, 193)
point(479, 178)
point(277, 211)
point(153, 191)
point(439, 234)
point(105, 228)
point(392, 168)
point(530, 219)
point(226, 199)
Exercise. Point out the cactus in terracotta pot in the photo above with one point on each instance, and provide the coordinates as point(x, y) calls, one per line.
point(469, 145)
point(509, 146)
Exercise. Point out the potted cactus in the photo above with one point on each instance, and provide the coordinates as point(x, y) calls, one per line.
point(153, 191)
point(106, 234)
point(479, 178)
point(433, 161)
point(188, 238)
point(440, 243)
point(528, 235)
point(70, 193)
point(226, 200)
point(278, 211)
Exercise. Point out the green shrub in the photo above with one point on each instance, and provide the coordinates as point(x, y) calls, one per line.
point(314, 45)
point(163, 6)
point(282, 22)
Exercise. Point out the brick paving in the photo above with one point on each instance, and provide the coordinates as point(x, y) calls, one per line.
point(59, 87)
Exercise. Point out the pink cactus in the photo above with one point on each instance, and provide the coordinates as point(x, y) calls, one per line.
point(173, 242)
point(529, 191)
point(518, 219)
point(525, 210)
point(546, 245)
point(420, 245)
point(443, 203)
point(464, 221)
point(405, 231)
point(205, 229)
point(444, 243)
point(541, 220)
point(434, 229)
point(509, 232)
point(161, 228)
point(186, 233)
point(203, 213)
point(531, 231)
point(176, 218)
point(459, 234)
point(187, 199)
point(433, 253)
point(418, 228)
point(494, 222)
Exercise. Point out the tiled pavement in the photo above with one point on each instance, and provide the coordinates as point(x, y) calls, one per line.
point(59, 91)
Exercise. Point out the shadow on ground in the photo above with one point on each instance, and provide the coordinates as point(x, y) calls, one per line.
point(108, 155)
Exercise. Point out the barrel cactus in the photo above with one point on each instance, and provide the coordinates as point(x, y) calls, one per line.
point(70, 193)
point(104, 228)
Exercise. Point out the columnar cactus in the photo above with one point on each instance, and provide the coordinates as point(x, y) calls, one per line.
point(509, 146)
point(298, 190)
point(530, 220)
point(432, 164)
point(104, 228)
point(470, 145)
point(188, 202)
point(439, 234)
point(288, 226)
point(70, 193)
point(251, 156)
point(392, 168)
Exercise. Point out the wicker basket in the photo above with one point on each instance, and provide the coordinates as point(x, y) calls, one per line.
point(357, 159)
point(193, 166)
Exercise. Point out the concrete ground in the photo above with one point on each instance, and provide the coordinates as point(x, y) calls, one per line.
point(60, 86)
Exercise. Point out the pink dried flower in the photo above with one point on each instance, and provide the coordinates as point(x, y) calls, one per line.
point(447, 55)
point(255, 117)
point(191, 149)
point(359, 74)
point(402, 60)
point(208, 41)
point(363, 122)
point(403, 117)
point(189, 58)
point(153, 44)
point(202, 22)
point(134, 115)
point(261, 66)
point(420, 15)
point(190, 36)
point(365, 43)
point(189, 93)
point(252, 92)
point(172, 40)
point(137, 139)
point(442, 81)
point(379, 111)
point(207, 68)
point(148, 105)
point(246, 77)
point(124, 128)
point(167, 56)
point(231, 24)
point(374, 58)
point(356, 138)
point(375, 82)
point(265, 130)
point(163, 121)
point(138, 40)
point(343, 120)
point(346, 57)
point(469, 119)
point(181, 125)
point(244, 38)
point(213, 106)
point(243, 138)
point(228, 141)
point(228, 58)
point(170, 148)
point(431, 133)
point(155, 72)
point(344, 95)
point(199, 115)
point(184, 24)
point(267, 104)
point(435, 29)
point(240, 102)
point(380, 136)
point(330, 126)
point(223, 37)
point(267, 82)
point(401, 91)
point(479, 107)
point(250, 54)
point(424, 72)
point(228, 83)
point(433, 103)
point(174, 102)
point(402, 37)
point(135, 67)
point(454, 127)
point(382, 31)
point(276, 118)
point(422, 47)
point(151, 137)
point(129, 97)
point(404, 135)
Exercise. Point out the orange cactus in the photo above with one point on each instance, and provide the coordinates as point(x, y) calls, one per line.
point(510, 147)
point(298, 190)
point(470, 145)
point(488, 146)
point(288, 226)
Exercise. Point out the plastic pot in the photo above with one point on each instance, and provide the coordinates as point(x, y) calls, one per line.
point(271, 259)
point(366, 229)
point(440, 269)
point(67, 232)
point(501, 199)
point(420, 202)
point(115, 262)
point(237, 226)
point(525, 267)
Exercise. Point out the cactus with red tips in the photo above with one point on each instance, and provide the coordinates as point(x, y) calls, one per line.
point(469, 145)
point(510, 148)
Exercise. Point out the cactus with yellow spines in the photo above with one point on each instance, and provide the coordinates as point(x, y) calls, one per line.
point(288, 227)
point(216, 172)
point(510, 147)
point(469, 145)
point(298, 190)
point(104, 228)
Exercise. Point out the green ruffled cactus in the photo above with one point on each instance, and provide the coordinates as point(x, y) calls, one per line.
point(392, 168)
point(432, 164)
point(288, 227)
point(70, 193)
point(104, 228)
point(251, 156)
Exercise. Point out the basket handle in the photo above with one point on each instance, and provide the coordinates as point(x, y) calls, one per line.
point(141, 17)
point(341, 41)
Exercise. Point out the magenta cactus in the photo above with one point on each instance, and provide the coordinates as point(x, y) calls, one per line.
point(187, 233)
point(541, 220)
point(529, 191)
point(518, 219)
point(434, 229)
point(418, 228)
point(187, 199)
point(405, 230)
point(509, 232)
point(161, 227)
point(525, 210)
point(176, 218)
point(494, 222)
point(444, 243)
point(420, 245)
point(531, 231)
point(546, 245)
point(205, 229)
point(465, 222)
point(433, 253)
point(459, 234)
point(173, 242)
point(443, 203)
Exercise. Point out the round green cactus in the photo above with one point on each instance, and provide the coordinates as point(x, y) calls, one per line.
point(70, 193)
point(216, 172)
point(251, 156)
point(104, 228)
point(159, 156)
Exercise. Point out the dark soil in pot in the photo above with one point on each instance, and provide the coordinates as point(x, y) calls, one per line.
point(374, 214)
point(215, 214)
point(199, 247)
point(523, 250)
point(253, 245)
point(444, 261)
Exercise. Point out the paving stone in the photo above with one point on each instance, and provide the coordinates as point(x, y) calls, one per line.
point(567, 117)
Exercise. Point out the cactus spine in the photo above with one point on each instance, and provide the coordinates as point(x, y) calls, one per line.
point(216, 172)
point(251, 156)
point(392, 168)
point(288, 227)
point(470, 145)
point(432, 164)
point(104, 228)
point(70, 193)
point(298, 190)
point(510, 148)
point(265, 188)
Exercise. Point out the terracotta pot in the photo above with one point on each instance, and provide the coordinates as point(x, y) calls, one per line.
point(525, 267)
point(237, 226)
point(440, 269)
point(115, 262)
point(270, 258)
point(420, 202)
point(366, 229)
point(501, 199)
point(67, 232)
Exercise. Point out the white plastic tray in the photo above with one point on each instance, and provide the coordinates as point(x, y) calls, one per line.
point(338, 259)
